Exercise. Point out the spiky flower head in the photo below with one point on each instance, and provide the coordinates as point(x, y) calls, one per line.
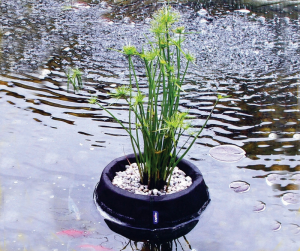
point(190, 57)
point(179, 30)
point(130, 50)
point(77, 72)
point(150, 55)
point(93, 100)
point(177, 121)
point(139, 99)
point(121, 92)
point(163, 19)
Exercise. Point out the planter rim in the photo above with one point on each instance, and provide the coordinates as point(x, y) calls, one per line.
point(146, 197)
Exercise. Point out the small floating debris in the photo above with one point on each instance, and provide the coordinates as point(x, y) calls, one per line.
point(272, 178)
point(81, 5)
point(37, 102)
point(296, 136)
point(273, 136)
point(290, 198)
point(76, 6)
point(202, 12)
point(240, 186)
point(227, 153)
point(243, 11)
point(44, 73)
point(259, 207)
point(7, 33)
point(205, 17)
point(276, 226)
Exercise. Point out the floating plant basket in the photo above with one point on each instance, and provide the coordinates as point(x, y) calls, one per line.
point(154, 218)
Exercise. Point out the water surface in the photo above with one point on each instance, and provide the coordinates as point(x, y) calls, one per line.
point(54, 144)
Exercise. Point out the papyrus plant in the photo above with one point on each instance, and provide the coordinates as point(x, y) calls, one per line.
point(74, 78)
point(155, 122)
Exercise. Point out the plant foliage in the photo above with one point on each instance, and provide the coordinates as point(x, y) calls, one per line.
point(74, 78)
point(155, 122)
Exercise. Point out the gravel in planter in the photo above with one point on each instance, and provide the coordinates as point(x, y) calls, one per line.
point(130, 180)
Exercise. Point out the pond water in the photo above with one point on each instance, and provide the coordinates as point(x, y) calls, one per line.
point(54, 144)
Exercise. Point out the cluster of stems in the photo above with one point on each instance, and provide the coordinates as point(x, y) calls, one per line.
point(74, 78)
point(155, 122)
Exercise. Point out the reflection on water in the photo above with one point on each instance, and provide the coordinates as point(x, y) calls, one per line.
point(54, 144)
point(177, 244)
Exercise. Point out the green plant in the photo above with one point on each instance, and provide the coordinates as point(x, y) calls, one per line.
point(74, 77)
point(155, 124)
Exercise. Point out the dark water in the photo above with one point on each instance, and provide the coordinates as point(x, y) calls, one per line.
point(54, 144)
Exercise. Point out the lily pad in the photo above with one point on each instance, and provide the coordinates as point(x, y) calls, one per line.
point(240, 186)
point(276, 226)
point(259, 207)
point(227, 153)
point(272, 178)
point(290, 198)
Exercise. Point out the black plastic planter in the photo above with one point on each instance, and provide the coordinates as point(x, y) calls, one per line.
point(154, 218)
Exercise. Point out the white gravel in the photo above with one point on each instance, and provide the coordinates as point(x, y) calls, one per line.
point(130, 180)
